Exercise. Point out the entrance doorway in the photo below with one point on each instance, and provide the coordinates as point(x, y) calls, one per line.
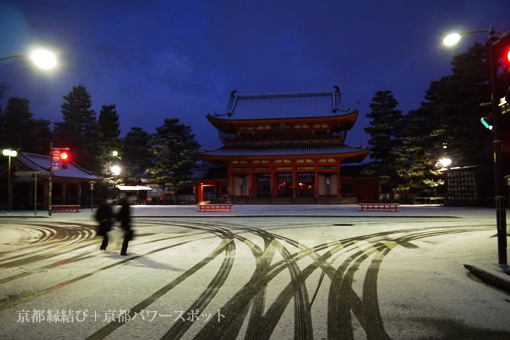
point(306, 185)
point(209, 192)
point(284, 185)
point(263, 185)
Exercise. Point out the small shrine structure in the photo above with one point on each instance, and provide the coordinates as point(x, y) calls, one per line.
point(30, 183)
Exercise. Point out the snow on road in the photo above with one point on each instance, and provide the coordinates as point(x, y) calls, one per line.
point(316, 270)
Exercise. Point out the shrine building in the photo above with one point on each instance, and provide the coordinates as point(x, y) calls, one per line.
point(29, 185)
point(283, 148)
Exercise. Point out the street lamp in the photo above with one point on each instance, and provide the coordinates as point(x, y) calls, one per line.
point(445, 162)
point(42, 58)
point(9, 153)
point(115, 170)
point(497, 41)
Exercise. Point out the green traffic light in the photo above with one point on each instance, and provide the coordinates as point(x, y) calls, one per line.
point(486, 121)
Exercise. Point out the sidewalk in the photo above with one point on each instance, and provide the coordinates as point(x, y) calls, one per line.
point(484, 267)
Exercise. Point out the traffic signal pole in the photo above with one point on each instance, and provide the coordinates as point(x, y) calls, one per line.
point(50, 189)
point(59, 157)
point(494, 54)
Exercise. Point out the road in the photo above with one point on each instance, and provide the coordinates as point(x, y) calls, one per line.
point(250, 278)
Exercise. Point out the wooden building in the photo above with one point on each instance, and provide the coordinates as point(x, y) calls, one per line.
point(282, 148)
point(30, 183)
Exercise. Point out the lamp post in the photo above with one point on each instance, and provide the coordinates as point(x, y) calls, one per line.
point(91, 196)
point(9, 153)
point(44, 60)
point(41, 58)
point(497, 41)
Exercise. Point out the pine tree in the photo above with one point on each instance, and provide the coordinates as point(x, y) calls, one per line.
point(422, 145)
point(108, 124)
point(385, 138)
point(458, 108)
point(447, 124)
point(109, 141)
point(135, 152)
point(19, 130)
point(174, 152)
point(79, 130)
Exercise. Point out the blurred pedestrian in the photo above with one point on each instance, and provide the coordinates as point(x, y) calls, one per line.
point(104, 215)
point(124, 217)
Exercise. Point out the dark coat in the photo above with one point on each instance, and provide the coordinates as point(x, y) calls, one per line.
point(104, 215)
point(124, 216)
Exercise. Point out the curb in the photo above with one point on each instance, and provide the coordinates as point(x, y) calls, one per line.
point(489, 278)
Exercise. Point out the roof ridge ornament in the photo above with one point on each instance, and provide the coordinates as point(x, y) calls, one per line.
point(336, 102)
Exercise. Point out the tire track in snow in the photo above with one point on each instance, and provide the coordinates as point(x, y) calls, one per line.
point(253, 296)
point(18, 299)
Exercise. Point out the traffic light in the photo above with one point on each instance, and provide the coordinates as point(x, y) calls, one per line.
point(506, 55)
point(487, 120)
point(64, 159)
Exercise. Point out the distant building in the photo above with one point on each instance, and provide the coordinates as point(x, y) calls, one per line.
point(70, 185)
point(283, 148)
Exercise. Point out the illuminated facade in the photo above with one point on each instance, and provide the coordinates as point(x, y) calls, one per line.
point(286, 147)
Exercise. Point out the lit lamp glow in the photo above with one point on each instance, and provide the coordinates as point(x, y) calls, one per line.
point(445, 162)
point(115, 170)
point(44, 59)
point(451, 39)
point(7, 152)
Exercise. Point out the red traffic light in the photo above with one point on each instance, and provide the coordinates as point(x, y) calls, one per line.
point(64, 159)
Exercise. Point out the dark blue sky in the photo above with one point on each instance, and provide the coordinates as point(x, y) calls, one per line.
point(164, 59)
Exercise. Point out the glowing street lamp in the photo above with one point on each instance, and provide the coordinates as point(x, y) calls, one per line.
point(445, 162)
point(115, 170)
point(9, 153)
point(42, 58)
point(498, 45)
point(451, 39)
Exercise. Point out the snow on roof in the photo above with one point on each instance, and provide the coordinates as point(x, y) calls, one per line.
point(284, 151)
point(133, 188)
point(37, 162)
point(293, 105)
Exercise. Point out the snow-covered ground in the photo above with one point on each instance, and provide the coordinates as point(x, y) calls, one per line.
point(273, 210)
point(396, 275)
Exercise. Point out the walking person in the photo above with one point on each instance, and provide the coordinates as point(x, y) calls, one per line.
point(124, 216)
point(104, 215)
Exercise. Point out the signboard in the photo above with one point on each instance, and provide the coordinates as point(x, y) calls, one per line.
point(55, 159)
point(24, 173)
point(31, 173)
point(43, 173)
point(505, 106)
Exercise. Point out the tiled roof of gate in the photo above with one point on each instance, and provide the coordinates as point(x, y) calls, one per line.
point(273, 106)
point(37, 162)
point(283, 151)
